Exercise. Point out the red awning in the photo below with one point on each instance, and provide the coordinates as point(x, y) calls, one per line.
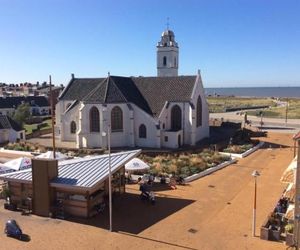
point(297, 136)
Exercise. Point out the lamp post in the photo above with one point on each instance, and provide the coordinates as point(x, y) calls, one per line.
point(297, 218)
point(109, 179)
point(255, 174)
point(109, 174)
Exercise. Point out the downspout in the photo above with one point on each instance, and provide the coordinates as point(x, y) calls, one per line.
point(183, 120)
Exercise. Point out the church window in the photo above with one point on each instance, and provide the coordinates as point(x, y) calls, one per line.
point(116, 119)
point(142, 131)
point(73, 127)
point(176, 118)
point(94, 120)
point(175, 62)
point(165, 61)
point(199, 112)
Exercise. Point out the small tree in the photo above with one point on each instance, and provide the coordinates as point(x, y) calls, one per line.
point(22, 114)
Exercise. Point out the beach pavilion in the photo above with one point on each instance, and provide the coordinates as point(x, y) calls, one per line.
point(72, 187)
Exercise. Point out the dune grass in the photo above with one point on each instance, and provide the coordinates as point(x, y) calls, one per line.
point(220, 104)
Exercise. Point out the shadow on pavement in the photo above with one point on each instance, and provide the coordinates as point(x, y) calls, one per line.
point(25, 238)
point(276, 128)
point(269, 145)
point(131, 215)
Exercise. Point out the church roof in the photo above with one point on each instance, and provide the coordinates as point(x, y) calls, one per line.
point(78, 88)
point(159, 90)
point(148, 93)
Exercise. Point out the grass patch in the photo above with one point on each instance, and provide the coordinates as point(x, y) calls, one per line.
point(220, 104)
point(280, 112)
point(30, 128)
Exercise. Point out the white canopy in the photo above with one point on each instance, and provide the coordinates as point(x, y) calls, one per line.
point(19, 163)
point(4, 169)
point(49, 155)
point(136, 165)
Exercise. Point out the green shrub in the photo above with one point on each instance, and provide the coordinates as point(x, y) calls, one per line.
point(289, 228)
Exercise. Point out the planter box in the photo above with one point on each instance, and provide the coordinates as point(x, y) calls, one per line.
point(11, 207)
point(270, 232)
point(248, 152)
point(209, 171)
point(265, 231)
point(289, 239)
point(275, 233)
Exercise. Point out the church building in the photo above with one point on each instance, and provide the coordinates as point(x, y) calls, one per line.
point(167, 111)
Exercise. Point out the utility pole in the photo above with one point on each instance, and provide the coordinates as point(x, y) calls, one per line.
point(286, 110)
point(52, 117)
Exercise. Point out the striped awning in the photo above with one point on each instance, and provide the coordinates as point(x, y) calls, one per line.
point(297, 136)
point(290, 192)
point(289, 174)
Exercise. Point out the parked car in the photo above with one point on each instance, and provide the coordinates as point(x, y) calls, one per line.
point(13, 229)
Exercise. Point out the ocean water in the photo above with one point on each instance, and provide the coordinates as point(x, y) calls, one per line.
point(255, 92)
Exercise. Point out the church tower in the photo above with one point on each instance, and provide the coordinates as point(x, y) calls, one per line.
point(167, 55)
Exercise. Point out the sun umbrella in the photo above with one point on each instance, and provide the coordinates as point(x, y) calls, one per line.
point(290, 212)
point(19, 163)
point(5, 170)
point(136, 165)
point(49, 155)
point(289, 174)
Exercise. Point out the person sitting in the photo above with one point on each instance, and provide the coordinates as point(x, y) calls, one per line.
point(172, 183)
point(151, 179)
point(145, 189)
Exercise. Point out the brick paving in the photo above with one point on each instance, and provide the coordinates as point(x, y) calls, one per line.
point(214, 212)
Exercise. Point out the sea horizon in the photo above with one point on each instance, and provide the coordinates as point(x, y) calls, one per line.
point(280, 92)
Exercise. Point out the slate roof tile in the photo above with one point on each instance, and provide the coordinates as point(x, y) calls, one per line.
point(8, 123)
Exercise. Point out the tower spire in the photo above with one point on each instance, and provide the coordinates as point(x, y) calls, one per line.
point(168, 19)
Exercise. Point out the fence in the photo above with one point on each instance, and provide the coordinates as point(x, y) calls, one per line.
point(39, 133)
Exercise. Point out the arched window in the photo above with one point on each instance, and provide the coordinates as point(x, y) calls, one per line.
point(199, 112)
point(176, 118)
point(165, 61)
point(175, 62)
point(142, 131)
point(116, 119)
point(94, 120)
point(73, 127)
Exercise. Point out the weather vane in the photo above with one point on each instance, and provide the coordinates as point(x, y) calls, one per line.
point(168, 22)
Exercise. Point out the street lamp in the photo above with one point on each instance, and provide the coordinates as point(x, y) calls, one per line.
point(296, 237)
point(255, 174)
point(109, 174)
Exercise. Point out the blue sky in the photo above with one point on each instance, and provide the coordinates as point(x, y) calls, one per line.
point(233, 42)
